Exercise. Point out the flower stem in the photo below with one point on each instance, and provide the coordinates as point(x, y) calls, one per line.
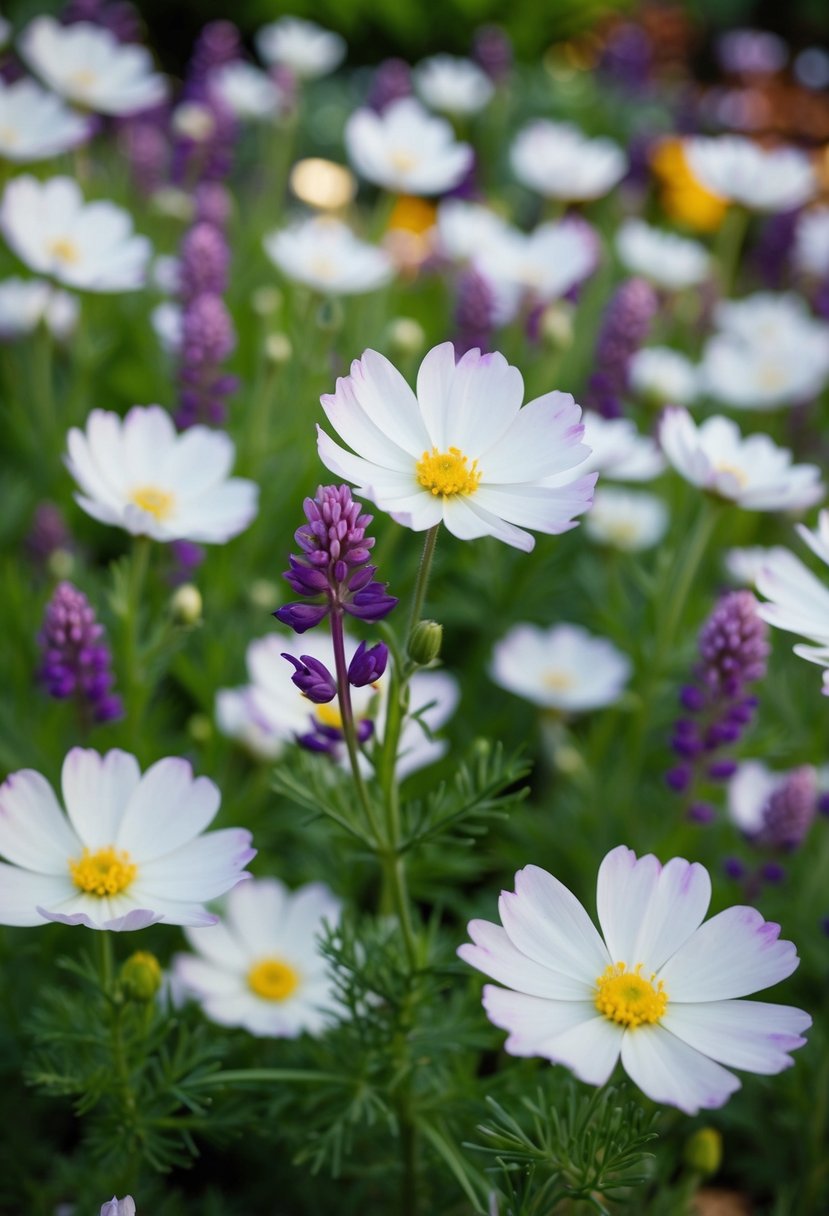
point(424, 570)
point(730, 245)
point(682, 576)
point(347, 716)
point(135, 690)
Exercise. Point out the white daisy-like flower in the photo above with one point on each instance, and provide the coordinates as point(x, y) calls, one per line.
point(247, 91)
point(261, 966)
point(559, 161)
point(25, 303)
point(761, 179)
point(798, 601)
point(139, 474)
point(540, 266)
point(751, 471)
point(324, 254)
point(270, 711)
point(165, 274)
point(563, 668)
point(462, 451)
point(129, 851)
point(35, 125)
point(453, 85)
point(767, 318)
point(811, 242)
point(630, 520)
point(618, 451)
point(118, 1207)
point(465, 228)
point(753, 376)
point(743, 565)
point(406, 149)
point(90, 246)
point(658, 988)
point(87, 64)
point(167, 320)
point(670, 261)
point(662, 376)
point(303, 46)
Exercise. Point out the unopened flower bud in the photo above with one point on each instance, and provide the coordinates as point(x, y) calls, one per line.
point(703, 1151)
point(425, 642)
point(199, 728)
point(186, 604)
point(313, 678)
point(278, 348)
point(193, 121)
point(61, 563)
point(265, 301)
point(556, 325)
point(141, 976)
point(174, 203)
point(264, 594)
point(330, 315)
point(406, 336)
point(368, 664)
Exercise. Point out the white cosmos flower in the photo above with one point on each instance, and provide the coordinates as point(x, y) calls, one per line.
point(129, 851)
point(453, 85)
point(88, 65)
point(261, 966)
point(35, 124)
point(463, 451)
point(540, 266)
point(661, 375)
point(751, 471)
point(118, 1207)
point(811, 242)
point(406, 149)
point(270, 711)
point(739, 170)
point(630, 520)
point(563, 667)
point(559, 161)
point(767, 318)
point(798, 600)
point(303, 46)
point(167, 320)
point(141, 475)
point(24, 303)
point(670, 261)
point(90, 246)
point(743, 565)
point(618, 451)
point(324, 254)
point(465, 228)
point(752, 376)
point(247, 91)
point(657, 988)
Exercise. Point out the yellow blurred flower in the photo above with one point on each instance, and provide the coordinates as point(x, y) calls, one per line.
point(682, 196)
point(410, 237)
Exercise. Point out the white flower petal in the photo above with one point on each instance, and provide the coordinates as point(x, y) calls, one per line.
point(533, 1021)
point(753, 1035)
point(22, 893)
point(731, 955)
point(167, 809)
point(34, 832)
point(548, 924)
point(202, 869)
point(495, 955)
point(669, 1071)
point(96, 790)
point(590, 1048)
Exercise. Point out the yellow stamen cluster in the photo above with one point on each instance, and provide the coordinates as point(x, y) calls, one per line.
point(273, 979)
point(558, 681)
point(64, 249)
point(738, 474)
point(447, 473)
point(107, 871)
point(156, 502)
point(628, 998)
point(402, 160)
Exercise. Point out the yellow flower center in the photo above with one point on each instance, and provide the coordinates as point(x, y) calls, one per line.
point(9, 136)
point(447, 473)
point(83, 78)
point(772, 376)
point(107, 871)
point(402, 160)
point(622, 531)
point(156, 502)
point(628, 998)
point(64, 249)
point(273, 979)
point(738, 474)
point(323, 267)
point(329, 715)
point(558, 681)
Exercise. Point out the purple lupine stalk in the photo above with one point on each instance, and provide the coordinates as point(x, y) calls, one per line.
point(205, 258)
point(217, 45)
point(118, 16)
point(733, 649)
point(821, 298)
point(790, 810)
point(392, 81)
point(627, 58)
point(207, 159)
point(76, 661)
point(146, 146)
point(625, 327)
point(492, 51)
point(47, 534)
point(207, 339)
point(186, 557)
point(774, 247)
point(474, 313)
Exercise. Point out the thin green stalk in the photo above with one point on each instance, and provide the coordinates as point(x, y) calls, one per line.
point(730, 245)
point(424, 570)
point(135, 687)
point(266, 1076)
point(347, 717)
point(105, 960)
point(682, 576)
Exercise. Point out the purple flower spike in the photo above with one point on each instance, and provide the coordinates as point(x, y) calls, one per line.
point(76, 659)
point(313, 678)
point(790, 809)
point(333, 566)
point(625, 327)
point(368, 664)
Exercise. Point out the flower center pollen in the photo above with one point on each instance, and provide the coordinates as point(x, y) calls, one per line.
point(447, 473)
point(732, 470)
point(628, 998)
point(107, 871)
point(329, 715)
point(155, 502)
point(64, 249)
point(273, 979)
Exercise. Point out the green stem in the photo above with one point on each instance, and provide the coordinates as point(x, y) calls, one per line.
point(682, 576)
point(424, 570)
point(105, 960)
point(730, 245)
point(263, 1076)
point(347, 717)
point(135, 690)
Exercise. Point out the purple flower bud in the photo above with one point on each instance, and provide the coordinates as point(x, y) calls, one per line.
point(625, 327)
point(790, 809)
point(492, 51)
point(678, 778)
point(75, 657)
point(392, 81)
point(734, 868)
point(823, 804)
point(701, 813)
point(692, 698)
point(301, 617)
point(722, 770)
point(368, 664)
point(773, 872)
point(313, 678)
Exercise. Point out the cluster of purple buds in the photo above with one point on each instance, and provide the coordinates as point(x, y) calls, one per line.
point(186, 557)
point(76, 660)
point(208, 157)
point(118, 16)
point(474, 312)
point(492, 51)
point(624, 329)
point(48, 534)
point(783, 824)
point(733, 648)
point(392, 81)
point(774, 247)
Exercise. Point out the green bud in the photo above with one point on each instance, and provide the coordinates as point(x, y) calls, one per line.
point(265, 301)
point(141, 976)
point(186, 604)
point(61, 563)
point(264, 594)
point(406, 336)
point(425, 642)
point(557, 325)
point(200, 728)
point(330, 315)
point(278, 348)
point(703, 1151)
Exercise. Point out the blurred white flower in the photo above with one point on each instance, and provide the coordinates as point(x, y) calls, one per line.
point(662, 376)
point(165, 274)
point(453, 85)
point(24, 303)
point(537, 267)
point(630, 520)
point(811, 242)
point(35, 124)
point(751, 471)
point(88, 65)
point(139, 474)
point(167, 321)
point(743, 565)
point(119, 1207)
point(247, 91)
point(563, 668)
point(261, 966)
point(559, 161)
point(90, 246)
point(194, 120)
point(766, 318)
point(618, 451)
point(406, 149)
point(798, 600)
point(304, 47)
point(670, 261)
point(465, 228)
point(129, 852)
point(324, 254)
point(761, 179)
